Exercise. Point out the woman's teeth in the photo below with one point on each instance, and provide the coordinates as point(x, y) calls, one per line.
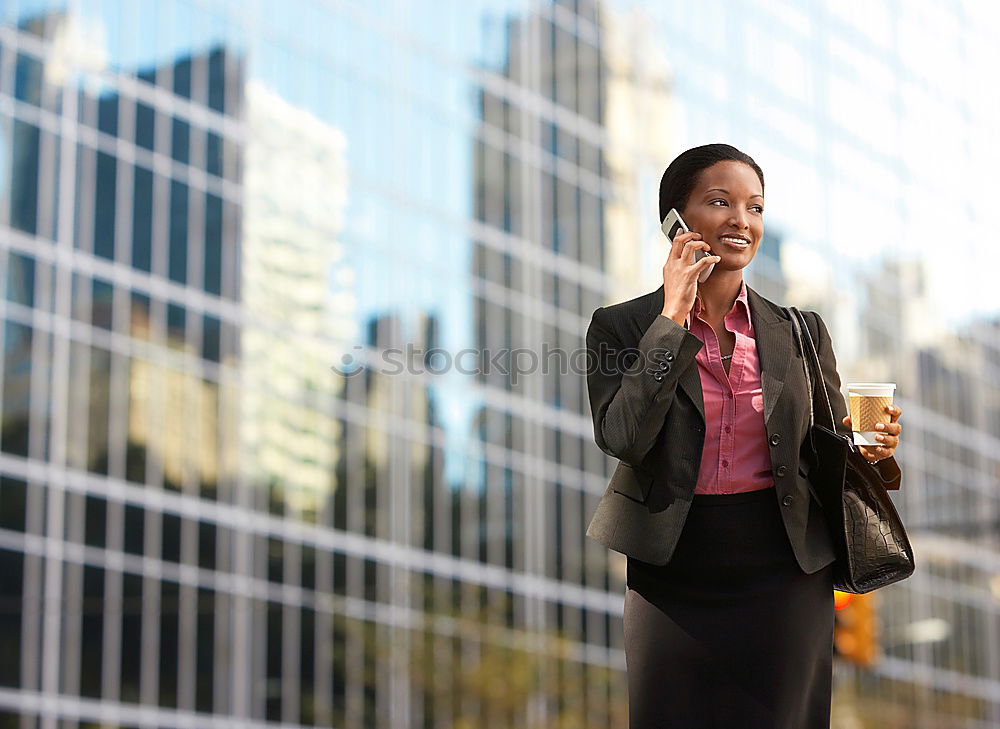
point(735, 241)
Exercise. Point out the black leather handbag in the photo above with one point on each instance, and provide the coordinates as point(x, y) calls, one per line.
point(871, 544)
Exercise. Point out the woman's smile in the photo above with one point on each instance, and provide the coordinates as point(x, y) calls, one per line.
point(736, 242)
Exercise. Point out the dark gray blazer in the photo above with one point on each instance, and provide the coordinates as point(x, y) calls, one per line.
point(646, 400)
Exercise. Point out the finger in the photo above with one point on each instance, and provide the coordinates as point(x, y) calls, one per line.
point(847, 419)
point(880, 452)
point(885, 432)
point(677, 244)
point(888, 440)
point(707, 260)
point(680, 241)
point(894, 412)
point(694, 244)
point(693, 238)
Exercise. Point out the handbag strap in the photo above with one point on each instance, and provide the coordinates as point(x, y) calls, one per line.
point(806, 361)
point(811, 362)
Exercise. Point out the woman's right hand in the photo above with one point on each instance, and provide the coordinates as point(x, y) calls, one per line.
point(680, 276)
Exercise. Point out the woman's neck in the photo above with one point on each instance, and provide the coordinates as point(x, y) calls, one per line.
point(719, 292)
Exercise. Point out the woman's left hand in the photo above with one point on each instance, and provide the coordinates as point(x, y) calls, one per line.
point(889, 435)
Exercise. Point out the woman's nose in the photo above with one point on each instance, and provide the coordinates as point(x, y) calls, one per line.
point(740, 219)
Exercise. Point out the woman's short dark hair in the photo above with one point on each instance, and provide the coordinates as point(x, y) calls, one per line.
point(682, 174)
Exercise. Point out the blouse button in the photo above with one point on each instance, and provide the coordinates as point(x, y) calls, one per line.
point(728, 428)
point(725, 463)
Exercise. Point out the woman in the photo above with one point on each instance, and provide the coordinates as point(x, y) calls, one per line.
point(701, 395)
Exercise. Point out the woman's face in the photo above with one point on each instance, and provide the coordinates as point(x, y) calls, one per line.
point(726, 202)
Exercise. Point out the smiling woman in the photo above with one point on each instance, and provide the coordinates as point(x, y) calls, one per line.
point(729, 603)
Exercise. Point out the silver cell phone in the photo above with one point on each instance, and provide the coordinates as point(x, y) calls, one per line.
point(674, 224)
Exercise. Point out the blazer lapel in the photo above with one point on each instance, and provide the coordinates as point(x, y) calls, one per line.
point(773, 338)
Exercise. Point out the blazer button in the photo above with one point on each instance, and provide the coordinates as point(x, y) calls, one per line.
point(775, 439)
point(658, 376)
point(669, 356)
point(665, 366)
point(782, 470)
point(787, 501)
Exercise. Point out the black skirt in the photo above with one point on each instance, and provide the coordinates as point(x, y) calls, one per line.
point(730, 632)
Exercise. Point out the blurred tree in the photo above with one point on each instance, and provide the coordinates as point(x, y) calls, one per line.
point(486, 674)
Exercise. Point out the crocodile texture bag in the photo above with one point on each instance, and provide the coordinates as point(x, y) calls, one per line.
point(871, 544)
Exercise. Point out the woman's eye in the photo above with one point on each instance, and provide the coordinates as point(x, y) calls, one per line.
point(758, 208)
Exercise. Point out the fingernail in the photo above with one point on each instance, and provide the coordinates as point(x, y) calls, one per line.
point(880, 426)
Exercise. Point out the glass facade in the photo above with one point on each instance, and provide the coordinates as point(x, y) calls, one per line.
point(292, 431)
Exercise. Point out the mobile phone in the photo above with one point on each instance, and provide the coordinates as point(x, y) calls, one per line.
point(674, 224)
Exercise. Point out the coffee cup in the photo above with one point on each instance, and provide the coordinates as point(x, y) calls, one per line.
point(868, 401)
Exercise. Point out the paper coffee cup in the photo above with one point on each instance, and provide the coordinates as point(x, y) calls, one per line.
point(868, 401)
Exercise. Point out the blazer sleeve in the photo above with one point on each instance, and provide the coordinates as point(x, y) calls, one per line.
point(632, 389)
point(887, 469)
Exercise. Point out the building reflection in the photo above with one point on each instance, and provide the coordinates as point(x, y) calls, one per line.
point(295, 188)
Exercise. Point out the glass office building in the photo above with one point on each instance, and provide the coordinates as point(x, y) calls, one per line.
point(292, 431)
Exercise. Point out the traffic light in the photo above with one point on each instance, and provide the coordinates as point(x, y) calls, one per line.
point(855, 631)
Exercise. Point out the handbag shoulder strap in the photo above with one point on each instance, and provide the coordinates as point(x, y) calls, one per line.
point(811, 363)
point(806, 362)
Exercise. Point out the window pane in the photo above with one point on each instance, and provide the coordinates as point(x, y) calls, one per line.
point(142, 220)
point(12, 589)
point(28, 81)
point(145, 120)
point(21, 279)
point(24, 178)
point(181, 140)
point(178, 232)
point(13, 499)
point(213, 244)
point(104, 206)
point(16, 388)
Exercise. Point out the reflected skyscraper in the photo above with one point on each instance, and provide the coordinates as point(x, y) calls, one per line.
point(295, 183)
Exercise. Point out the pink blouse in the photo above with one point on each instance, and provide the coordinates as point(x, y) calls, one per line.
point(735, 457)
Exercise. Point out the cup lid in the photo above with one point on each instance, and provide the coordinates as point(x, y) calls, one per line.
point(870, 386)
